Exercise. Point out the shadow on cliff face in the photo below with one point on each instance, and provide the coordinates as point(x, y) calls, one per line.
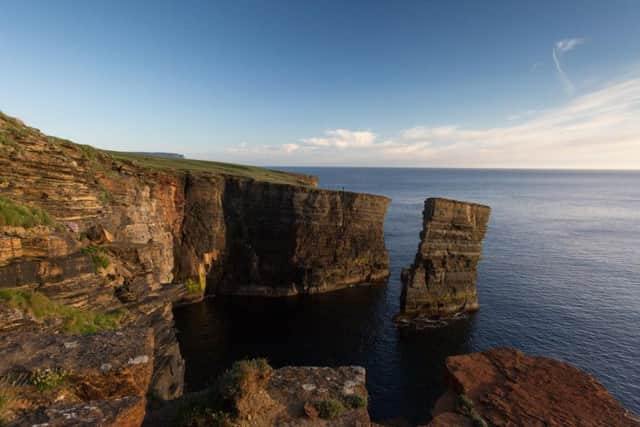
point(348, 327)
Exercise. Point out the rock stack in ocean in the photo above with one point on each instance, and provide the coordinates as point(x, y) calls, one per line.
point(441, 282)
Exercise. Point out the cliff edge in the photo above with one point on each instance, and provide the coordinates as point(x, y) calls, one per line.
point(94, 241)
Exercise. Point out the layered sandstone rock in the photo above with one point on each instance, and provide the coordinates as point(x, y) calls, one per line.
point(128, 234)
point(441, 282)
point(504, 387)
point(99, 379)
point(284, 240)
point(234, 233)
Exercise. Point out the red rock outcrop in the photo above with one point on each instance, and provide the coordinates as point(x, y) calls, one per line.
point(504, 387)
point(441, 282)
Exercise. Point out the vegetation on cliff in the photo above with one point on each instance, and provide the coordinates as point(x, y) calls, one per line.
point(97, 255)
point(74, 321)
point(13, 132)
point(173, 163)
point(219, 405)
point(17, 215)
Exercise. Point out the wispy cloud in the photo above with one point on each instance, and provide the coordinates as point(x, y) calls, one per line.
point(600, 129)
point(559, 49)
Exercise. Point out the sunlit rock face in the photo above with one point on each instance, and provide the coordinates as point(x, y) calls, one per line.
point(505, 387)
point(136, 235)
point(441, 282)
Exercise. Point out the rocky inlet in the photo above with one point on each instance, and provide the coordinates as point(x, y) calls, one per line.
point(96, 248)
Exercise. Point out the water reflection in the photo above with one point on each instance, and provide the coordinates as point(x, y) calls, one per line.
point(348, 327)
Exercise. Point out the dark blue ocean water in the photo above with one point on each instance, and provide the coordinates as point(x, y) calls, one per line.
point(560, 277)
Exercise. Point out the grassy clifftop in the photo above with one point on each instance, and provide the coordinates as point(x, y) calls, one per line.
point(13, 132)
point(253, 172)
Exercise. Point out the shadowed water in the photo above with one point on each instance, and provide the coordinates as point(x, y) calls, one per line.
point(560, 277)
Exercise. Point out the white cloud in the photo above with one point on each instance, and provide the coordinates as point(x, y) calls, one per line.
point(600, 129)
point(290, 148)
point(559, 49)
point(342, 138)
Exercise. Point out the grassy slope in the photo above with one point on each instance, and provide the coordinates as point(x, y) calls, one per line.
point(12, 131)
point(253, 172)
point(16, 215)
point(74, 321)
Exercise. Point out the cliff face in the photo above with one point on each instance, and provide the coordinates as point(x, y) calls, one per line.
point(240, 235)
point(441, 282)
point(284, 240)
point(504, 387)
point(111, 231)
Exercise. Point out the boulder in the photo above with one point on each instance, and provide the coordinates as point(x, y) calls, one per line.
point(505, 387)
point(49, 375)
point(99, 234)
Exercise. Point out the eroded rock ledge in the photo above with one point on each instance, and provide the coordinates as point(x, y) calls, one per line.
point(505, 387)
point(441, 282)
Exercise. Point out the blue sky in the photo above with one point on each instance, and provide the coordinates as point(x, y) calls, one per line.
point(388, 83)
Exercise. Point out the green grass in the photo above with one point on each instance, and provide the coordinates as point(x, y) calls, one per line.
point(194, 287)
point(48, 379)
point(17, 215)
point(329, 409)
point(252, 172)
point(74, 321)
point(356, 401)
point(244, 374)
point(467, 408)
point(12, 130)
point(96, 253)
point(200, 415)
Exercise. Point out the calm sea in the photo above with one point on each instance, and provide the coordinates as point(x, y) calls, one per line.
point(560, 277)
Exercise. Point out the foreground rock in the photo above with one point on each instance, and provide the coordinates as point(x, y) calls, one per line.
point(121, 412)
point(99, 379)
point(504, 387)
point(251, 393)
point(441, 282)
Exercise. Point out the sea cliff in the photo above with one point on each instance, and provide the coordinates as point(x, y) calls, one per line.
point(94, 241)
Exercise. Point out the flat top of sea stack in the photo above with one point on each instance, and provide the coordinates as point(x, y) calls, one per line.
point(443, 200)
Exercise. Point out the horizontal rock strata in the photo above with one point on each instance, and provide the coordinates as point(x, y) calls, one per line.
point(126, 233)
point(441, 282)
point(235, 234)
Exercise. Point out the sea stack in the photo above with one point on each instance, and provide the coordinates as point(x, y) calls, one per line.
point(441, 282)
